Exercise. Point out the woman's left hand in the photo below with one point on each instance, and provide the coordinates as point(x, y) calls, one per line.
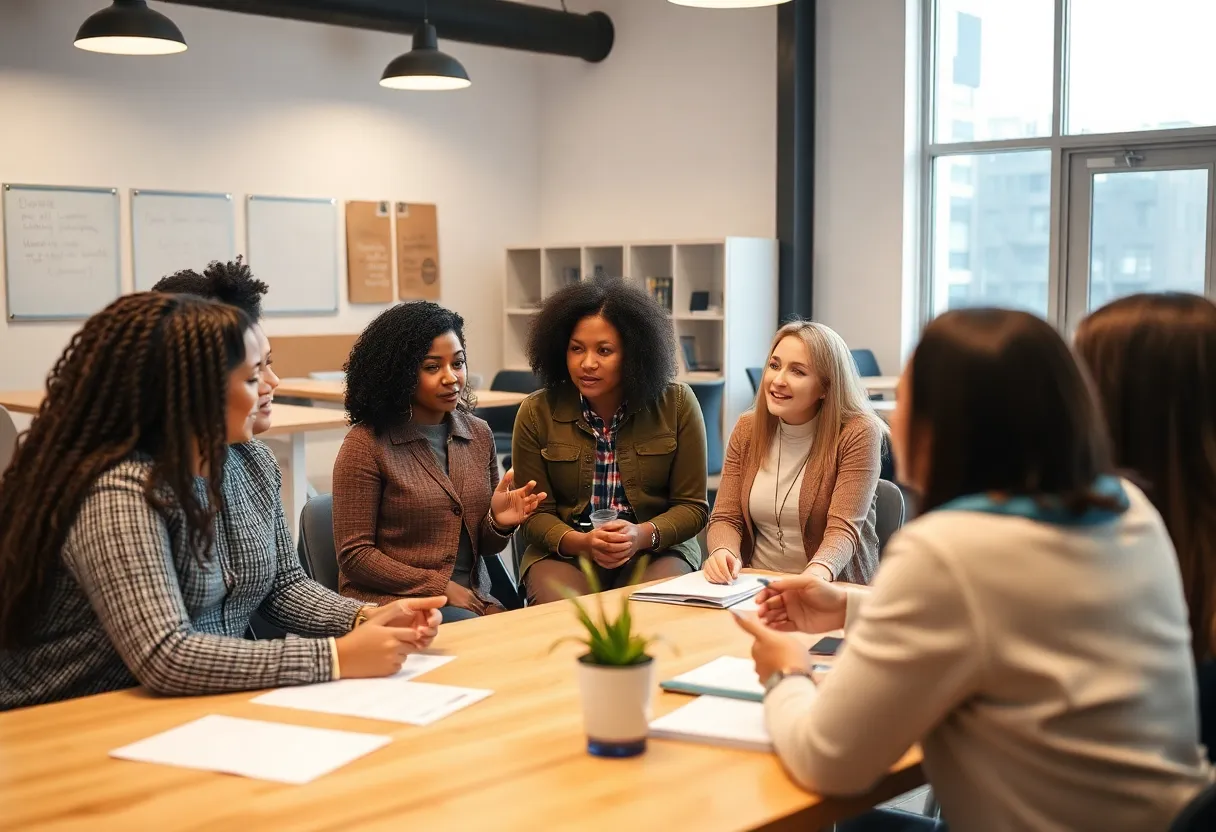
point(512, 506)
point(771, 650)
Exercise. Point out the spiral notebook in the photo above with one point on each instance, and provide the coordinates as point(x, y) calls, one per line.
point(695, 591)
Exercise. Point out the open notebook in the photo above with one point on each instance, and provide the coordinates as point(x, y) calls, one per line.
point(727, 676)
point(732, 723)
point(694, 590)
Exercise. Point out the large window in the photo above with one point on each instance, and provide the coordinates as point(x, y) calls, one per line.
point(1071, 152)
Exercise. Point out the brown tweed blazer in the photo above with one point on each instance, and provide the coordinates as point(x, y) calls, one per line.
point(397, 516)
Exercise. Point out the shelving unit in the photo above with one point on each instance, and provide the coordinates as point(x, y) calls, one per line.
point(738, 273)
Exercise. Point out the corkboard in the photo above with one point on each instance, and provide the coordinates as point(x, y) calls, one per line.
point(369, 252)
point(417, 251)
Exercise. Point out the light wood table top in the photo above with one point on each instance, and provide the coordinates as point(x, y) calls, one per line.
point(517, 760)
point(880, 384)
point(334, 391)
point(286, 419)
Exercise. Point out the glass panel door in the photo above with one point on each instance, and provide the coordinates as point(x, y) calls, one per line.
point(1139, 220)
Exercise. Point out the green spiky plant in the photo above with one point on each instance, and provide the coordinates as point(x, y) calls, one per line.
point(611, 643)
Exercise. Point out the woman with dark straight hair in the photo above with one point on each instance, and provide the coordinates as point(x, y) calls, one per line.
point(1153, 360)
point(1028, 629)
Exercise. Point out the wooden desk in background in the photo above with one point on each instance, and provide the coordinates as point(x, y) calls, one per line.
point(334, 392)
point(289, 424)
point(517, 760)
point(880, 384)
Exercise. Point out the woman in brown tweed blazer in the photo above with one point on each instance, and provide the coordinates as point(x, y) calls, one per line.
point(801, 469)
point(417, 499)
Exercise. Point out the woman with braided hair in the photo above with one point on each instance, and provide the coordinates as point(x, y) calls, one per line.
point(133, 554)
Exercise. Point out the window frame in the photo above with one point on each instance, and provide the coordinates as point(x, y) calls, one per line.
point(1062, 147)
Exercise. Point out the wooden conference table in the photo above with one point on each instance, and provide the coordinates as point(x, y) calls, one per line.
point(324, 390)
point(515, 761)
point(289, 424)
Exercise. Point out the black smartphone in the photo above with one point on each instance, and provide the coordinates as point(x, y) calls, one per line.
point(826, 646)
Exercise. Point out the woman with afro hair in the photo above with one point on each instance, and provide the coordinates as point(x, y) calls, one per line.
point(234, 284)
point(417, 498)
point(611, 429)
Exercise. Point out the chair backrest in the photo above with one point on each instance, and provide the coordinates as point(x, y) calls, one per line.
point(515, 381)
point(317, 553)
point(889, 511)
point(754, 374)
point(867, 364)
point(1199, 815)
point(8, 439)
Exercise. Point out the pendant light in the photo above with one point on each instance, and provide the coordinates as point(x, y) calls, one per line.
point(424, 67)
point(129, 27)
point(728, 4)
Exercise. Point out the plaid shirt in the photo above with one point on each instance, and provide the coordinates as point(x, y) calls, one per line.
point(606, 488)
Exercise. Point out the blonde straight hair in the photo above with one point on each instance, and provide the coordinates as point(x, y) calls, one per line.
point(844, 397)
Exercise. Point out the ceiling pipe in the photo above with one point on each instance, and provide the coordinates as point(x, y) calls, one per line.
point(487, 22)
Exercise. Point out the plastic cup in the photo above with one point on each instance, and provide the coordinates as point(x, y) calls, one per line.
point(602, 517)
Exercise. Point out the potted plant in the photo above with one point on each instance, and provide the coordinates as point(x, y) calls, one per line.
point(615, 675)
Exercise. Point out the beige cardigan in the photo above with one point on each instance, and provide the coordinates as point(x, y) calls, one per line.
point(835, 504)
point(1045, 670)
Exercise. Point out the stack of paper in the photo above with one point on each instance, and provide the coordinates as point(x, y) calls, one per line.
point(251, 748)
point(694, 590)
point(733, 723)
point(728, 676)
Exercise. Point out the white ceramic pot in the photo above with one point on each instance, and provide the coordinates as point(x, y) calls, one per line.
point(616, 706)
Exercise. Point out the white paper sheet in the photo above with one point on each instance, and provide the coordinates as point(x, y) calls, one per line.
point(252, 748)
point(393, 699)
point(734, 723)
point(416, 664)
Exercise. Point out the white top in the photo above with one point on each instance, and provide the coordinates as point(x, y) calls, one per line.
point(793, 443)
point(1046, 671)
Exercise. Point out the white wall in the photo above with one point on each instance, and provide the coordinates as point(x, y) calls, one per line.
point(266, 106)
point(866, 162)
point(673, 136)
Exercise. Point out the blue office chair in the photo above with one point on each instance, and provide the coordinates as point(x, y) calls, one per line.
point(867, 364)
point(710, 398)
point(502, 419)
point(754, 374)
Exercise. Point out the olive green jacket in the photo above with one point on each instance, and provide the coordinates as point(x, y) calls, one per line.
point(660, 451)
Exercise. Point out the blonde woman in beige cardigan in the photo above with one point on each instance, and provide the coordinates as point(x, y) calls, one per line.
point(797, 492)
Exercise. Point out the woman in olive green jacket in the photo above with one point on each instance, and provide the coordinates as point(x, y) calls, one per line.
point(611, 430)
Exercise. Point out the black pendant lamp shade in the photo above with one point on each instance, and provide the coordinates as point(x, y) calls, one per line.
point(424, 67)
point(129, 27)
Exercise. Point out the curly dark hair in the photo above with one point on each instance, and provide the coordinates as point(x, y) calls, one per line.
point(148, 373)
point(232, 283)
point(647, 338)
point(382, 371)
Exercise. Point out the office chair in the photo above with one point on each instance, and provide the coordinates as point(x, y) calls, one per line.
point(318, 555)
point(889, 511)
point(502, 419)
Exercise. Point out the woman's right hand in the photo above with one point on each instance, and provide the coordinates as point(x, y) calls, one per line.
point(722, 566)
point(374, 650)
point(608, 548)
point(802, 602)
point(465, 598)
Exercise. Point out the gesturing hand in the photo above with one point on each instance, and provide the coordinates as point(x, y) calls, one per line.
point(802, 602)
point(512, 506)
point(773, 651)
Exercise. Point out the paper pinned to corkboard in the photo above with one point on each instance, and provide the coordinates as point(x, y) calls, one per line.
point(417, 251)
point(369, 252)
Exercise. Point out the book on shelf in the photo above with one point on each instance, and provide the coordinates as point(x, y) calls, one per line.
point(660, 289)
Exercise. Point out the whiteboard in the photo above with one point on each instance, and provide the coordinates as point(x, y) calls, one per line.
point(171, 231)
point(61, 251)
point(293, 246)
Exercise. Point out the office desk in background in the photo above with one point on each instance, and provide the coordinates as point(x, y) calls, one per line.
point(517, 760)
point(334, 392)
point(289, 424)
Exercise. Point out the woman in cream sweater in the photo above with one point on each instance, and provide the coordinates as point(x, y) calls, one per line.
point(1028, 629)
point(797, 490)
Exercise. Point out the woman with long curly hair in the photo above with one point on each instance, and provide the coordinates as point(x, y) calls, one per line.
point(1153, 360)
point(611, 431)
point(417, 499)
point(132, 553)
